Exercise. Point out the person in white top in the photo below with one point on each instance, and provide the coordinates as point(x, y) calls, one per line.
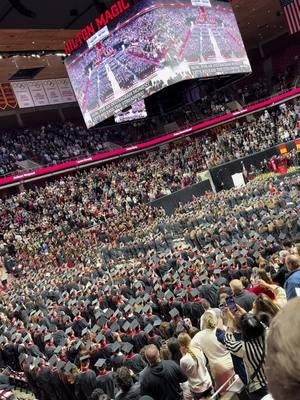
point(193, 363)
point(218, 356)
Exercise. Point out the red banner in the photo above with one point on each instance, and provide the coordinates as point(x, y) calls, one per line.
point(7, 97)
point(297, 143)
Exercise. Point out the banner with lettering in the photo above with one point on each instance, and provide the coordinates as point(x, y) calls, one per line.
point(66, 90)
point(38, 93)
point(22, 94)
point(9, 96)
point(52, 91)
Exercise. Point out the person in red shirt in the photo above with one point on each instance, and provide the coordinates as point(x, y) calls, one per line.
point(257, 288)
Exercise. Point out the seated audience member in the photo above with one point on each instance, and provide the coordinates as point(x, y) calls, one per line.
point(193, 363)
point(251, 348)
point(219, 358)
point(161, 379)
point(283, 353)
point(292, 282)
point(242, 297)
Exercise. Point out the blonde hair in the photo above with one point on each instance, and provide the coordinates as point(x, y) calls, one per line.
point(209, 320)
point(184, 340)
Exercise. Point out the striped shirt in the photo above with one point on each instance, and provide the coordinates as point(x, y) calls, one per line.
point(252, 352)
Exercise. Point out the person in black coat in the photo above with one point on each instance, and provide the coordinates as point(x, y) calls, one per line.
point(128, 389)
point(85, 381)
point(161, 379)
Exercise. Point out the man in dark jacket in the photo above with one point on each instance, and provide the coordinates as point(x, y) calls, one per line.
point(129, 390)
point(242, 297)
point(161, 379)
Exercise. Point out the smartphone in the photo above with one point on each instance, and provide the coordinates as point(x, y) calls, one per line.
point(231, 304)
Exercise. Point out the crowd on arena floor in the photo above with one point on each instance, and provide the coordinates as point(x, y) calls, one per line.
point(124, 319)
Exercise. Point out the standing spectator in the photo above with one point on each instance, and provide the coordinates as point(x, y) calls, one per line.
point(161, 379)
point(219, 358)
point(293, 280)
point(242, 297)
point(193, 364)
point(251, 348)
point(283, 361)
point(128, 389)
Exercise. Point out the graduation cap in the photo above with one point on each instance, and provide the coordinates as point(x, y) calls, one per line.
point(138, 309)
point(203, 278)
point(138, 300)
point(131, 301)
point(174, 312)
point(59, 366)
point(84, 332)
point(100, 363)
point(243, 260)
point(126, 326)
point(85, 357)
point(26, 339)
point(244, 252)
point(22, 358)
point(169, 295)
point(75, 312)
point(53, 360)
point(270, 238)
point(256, 254)
point(217, 271)
point(114, 327)
point(115, 347)
point(109, 313)
point(69, 366)
point(282, 236)
point(134, 324)
point(194, 292)
point(94, 302)
point(47, 338)
point(78, 344)
point(69, 330)
point(38, 361)
point(127, 308)
point(95, 328)
point(58, 350)
point(148, 329)
point(146, 297)
point(99, 338)
point(146, 308)
point(102, 321)
point(127, 348)
point(156, 287)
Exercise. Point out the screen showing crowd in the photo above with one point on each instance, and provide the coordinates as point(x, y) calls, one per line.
point(155, 44)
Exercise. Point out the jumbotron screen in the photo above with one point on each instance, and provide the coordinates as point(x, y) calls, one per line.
point(152, 45)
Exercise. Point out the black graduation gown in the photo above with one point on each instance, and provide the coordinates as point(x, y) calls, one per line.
point(135, 363)
point(58, 385)
point(117, 361)
point(85, 384)
point(139, 341)
point(106, 383)
point(43, 380)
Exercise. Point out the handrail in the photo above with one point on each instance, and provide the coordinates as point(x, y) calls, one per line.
point(220, 390)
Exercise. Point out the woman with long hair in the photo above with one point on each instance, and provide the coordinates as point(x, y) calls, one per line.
point(193, 364)
point(251, 348)
point(265, 309)
point(174, 349)
point(219, 358)
point(262, 283)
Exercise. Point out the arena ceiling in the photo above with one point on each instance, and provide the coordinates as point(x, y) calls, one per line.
point(48, 24)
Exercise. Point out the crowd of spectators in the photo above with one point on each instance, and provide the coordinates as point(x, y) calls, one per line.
point(172, 168)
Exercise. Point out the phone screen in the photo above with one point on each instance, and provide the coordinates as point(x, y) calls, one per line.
point(231, 304)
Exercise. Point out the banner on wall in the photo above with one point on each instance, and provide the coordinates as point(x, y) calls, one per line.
point(22, 94)
point(283, 149)
point(52, 91)
point(8, 98)
point(66, 90)
point(38, 93)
